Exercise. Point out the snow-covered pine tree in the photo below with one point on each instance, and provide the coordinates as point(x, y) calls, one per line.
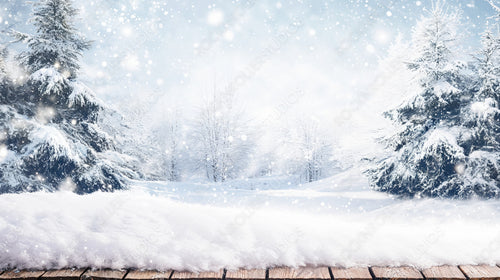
point(50, 124)
point(482, 117)
point(5, 82)
point(56, 42)
point(429, 157)
point(3, 71)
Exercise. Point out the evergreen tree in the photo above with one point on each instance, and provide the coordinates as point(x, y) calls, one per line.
point(482, 118)
point(51, 124)
point(5, 84)
point(429, 157)
point(56, 43)
point(3, 71)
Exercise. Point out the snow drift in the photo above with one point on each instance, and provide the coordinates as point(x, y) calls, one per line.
point(140, 230)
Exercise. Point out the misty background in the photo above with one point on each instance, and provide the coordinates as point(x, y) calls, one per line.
point(279, 62)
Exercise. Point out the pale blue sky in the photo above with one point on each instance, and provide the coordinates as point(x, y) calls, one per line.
point(161, 54)
point(154, 42)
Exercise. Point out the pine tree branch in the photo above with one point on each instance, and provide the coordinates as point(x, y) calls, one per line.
point(494, 6)
point(19, 37)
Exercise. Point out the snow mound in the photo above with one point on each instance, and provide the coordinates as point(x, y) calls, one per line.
point(47, 136)
point(140, 230)
point(443, 87)
point(438, 138)
point(81, 95)
point(50, 79)
point(485, 109)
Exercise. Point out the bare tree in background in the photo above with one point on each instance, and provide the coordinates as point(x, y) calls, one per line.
point(164, 146)
point(222, 139)
point(315, 149)
point(308, 150)
point(173, 145)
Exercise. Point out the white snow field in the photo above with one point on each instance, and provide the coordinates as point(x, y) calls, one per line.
point(337, 221)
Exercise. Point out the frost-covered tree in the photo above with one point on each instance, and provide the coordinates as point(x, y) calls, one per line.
point(429, 156)
point(482, 144)
point(155, 133)
point(486, 101)
point(172, 148)
point(308, 151)
point(173, 143)
point(222, 138)
point(317, 152)
point(3, 71)
point(56, 42)
point(6, 92)
point(51, 124)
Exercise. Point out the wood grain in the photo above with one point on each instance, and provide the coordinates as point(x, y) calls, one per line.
point(205, 275)
point(448, 272)
point(301, 273)
point(352, 273)
point(104, 274)
point(401, 272)
point(246, 274)
point(63, 274)
point(148, 274)
point(22, 274)
point(481, 272)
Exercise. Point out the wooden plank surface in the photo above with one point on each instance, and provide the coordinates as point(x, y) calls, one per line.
point(22, 274)
point(444, 272)
point(246, 274)
point(104, 274)
point(481, 272)
point(401, 272)
point(148, 274)
point(301, 273)
point(205, 275)
point(63, 274)
point(352, 273)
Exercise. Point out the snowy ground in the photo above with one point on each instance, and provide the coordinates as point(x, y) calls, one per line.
point(255, 223)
